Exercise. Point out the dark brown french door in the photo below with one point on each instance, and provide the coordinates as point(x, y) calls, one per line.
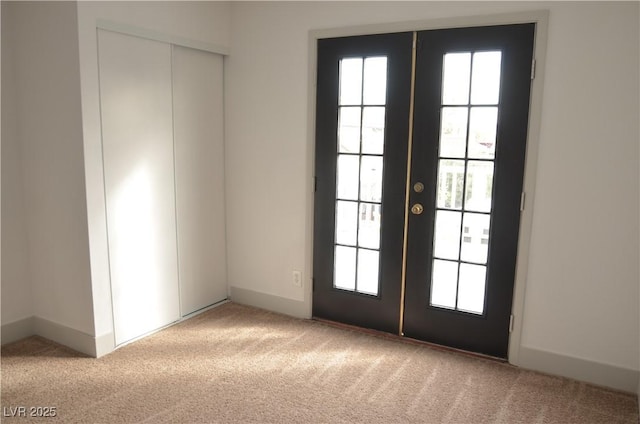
point(420, 149)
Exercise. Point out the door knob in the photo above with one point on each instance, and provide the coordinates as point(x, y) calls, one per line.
point(417, 209)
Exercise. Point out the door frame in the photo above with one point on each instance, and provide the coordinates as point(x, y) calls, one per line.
point(541, 19)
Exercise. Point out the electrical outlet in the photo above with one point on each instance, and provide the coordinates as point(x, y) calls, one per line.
point(296, 278)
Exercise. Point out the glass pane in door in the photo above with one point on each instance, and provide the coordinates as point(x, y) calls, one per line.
point(446, 244)
point(349, 130)
point(471, 288)
point(351, 81)
point(373, 130)
point(475, 237)
point(346, 222)
point(345, 268)
point(361, 129)
point(467, 151)
point(455, 84)
point(453, 132)
point(485, 80)
point(444, 284)
point(483, 123)
point(348, 176)
point(375, 80)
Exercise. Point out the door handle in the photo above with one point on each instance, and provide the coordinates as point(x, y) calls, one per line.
point(417, 209)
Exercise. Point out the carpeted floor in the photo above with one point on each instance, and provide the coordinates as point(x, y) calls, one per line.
point(239, 364)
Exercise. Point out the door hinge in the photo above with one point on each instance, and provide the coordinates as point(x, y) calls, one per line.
point(522, 197)
point(313, 284)
point(511, 323)
point(533, 69)
point(315, 184)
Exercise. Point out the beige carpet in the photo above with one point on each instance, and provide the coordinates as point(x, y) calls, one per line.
point(240, 364)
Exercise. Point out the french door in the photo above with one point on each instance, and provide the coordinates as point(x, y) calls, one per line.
point(420, 150)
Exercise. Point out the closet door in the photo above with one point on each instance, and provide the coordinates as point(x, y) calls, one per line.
point(199, 161)
point(137, 140)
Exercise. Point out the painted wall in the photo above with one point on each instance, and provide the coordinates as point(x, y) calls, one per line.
point(17, 301)
point(582, 288)
point(49, 139)
point(582, 285)
point(207, 22)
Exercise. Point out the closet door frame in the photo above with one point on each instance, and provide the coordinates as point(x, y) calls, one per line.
point(540, 18)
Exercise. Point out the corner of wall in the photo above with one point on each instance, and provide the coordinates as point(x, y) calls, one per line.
point(36, 326)
point(104, 344)
point(67, 336)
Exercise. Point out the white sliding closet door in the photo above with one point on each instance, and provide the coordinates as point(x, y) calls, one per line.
point(137, 139)
point(199, 159)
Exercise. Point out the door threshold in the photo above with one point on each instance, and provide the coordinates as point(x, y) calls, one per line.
point(409, 340)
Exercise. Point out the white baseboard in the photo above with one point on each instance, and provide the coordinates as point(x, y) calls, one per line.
point(64, 335)
point(76, 340)
point(270, 302)
point(17, 330)
point(606, 375)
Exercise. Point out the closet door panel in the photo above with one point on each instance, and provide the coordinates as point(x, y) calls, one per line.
point(137, 140)
point(199, 156)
